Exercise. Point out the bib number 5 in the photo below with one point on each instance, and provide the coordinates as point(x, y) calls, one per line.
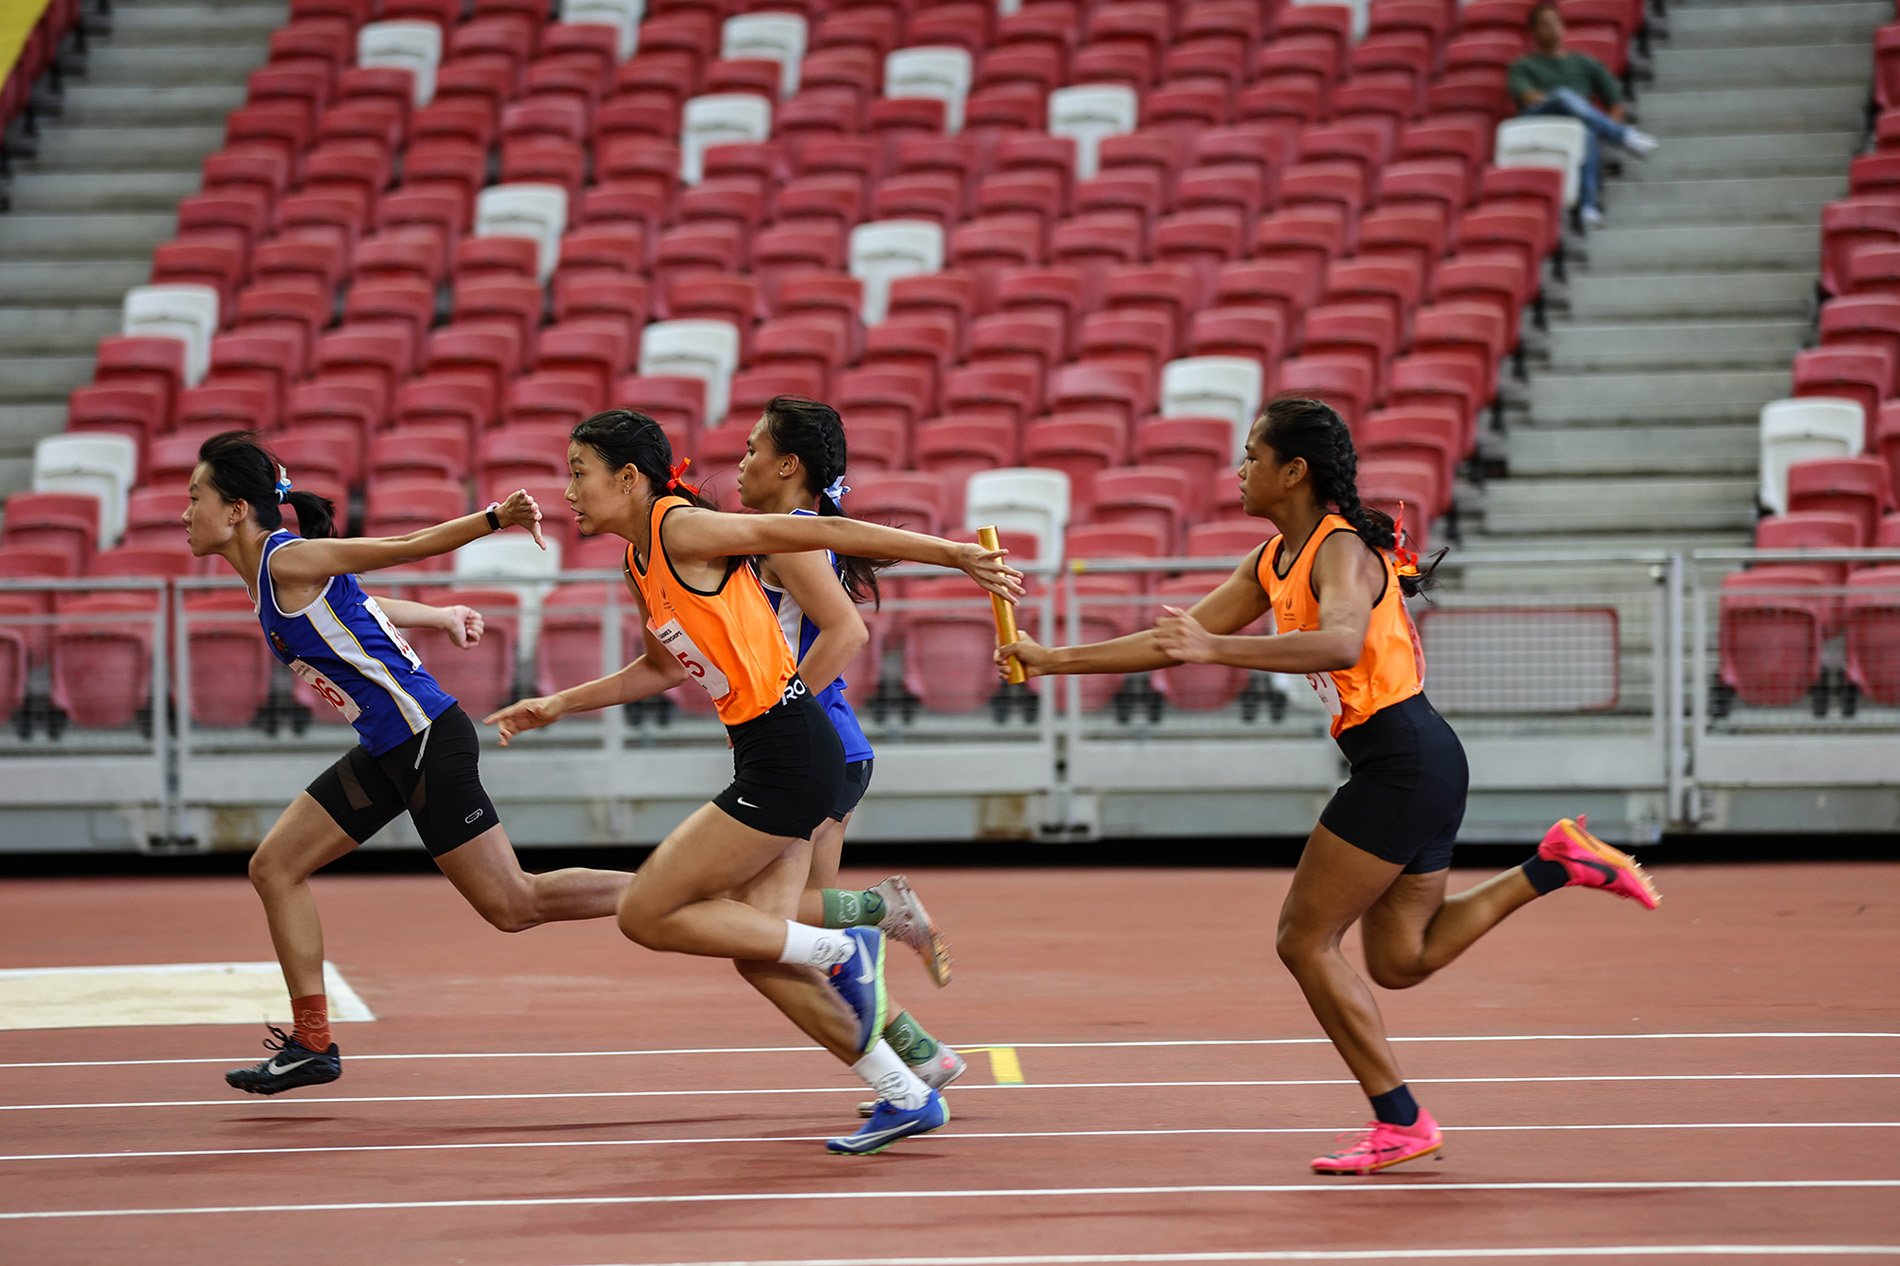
point(1328, 691)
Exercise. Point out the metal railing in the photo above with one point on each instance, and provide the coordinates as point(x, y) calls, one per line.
point(1606, 672)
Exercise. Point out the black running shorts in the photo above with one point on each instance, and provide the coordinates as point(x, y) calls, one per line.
point(787, 767)
point(1404, 798)
point(435, 776)
point(857, 780)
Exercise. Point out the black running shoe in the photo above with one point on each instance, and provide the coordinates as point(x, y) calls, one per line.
point(292, 1066)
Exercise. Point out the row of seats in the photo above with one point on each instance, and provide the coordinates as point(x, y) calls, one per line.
point(96, 649)
point(1355, 333)
point(1830, 461)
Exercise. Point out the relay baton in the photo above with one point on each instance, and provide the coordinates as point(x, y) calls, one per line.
point(1004, 613)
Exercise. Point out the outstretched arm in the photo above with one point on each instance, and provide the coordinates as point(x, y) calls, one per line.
point(312, 562)
point(463, 624)
point(1237, 603)
point(654, 671)
point(1348, 578)
point(707, 534)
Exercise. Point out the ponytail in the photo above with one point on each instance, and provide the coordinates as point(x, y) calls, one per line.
point(1312, 431)
point(814, 433)
point(240, 469)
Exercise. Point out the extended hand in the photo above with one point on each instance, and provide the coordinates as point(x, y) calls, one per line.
point(1034, 658)
point(520, 510)
point(464, 625)
point(524, 715)
point(1180, 636)
point(987, 568)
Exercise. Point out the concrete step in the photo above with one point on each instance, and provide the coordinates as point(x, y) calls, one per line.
point(16, 474)
point(1691, 296)
point(1737, 343)
point(1727, 448)
point(110, 105)
point(44, 379)
point(24, 425)
point(1571, 506)
point(1730, 395)
point(155, 64)
point(1684, 158)
point(1727, 111)
point(127, 235)
point(69, 330)
point(1613, 539)
point(1754, 200)
point(1795, 61)
point(92, 282)
point(204, 23)
point(111, 149)
point(1734, 25)
point(1700, 248)
point(79, 192)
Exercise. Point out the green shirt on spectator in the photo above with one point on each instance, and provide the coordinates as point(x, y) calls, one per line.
point(1579, 72)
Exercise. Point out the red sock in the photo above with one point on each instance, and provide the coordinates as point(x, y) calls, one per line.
point(310, 1018)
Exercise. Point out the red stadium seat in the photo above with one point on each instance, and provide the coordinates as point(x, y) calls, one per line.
point(1854, 486)
point(1771, 629)
point(1081, 445)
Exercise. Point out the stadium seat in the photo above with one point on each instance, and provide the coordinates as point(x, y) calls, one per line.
point(883, 251)
point(59, 522)
point(103, 467)
point(1854, 486)
point(708, 350)
point(1088, 114)
point(1200, 448)
point(188, 313)
point(102, 658)
point(534, 211)
point(1804, 429)
point(1023, 499)
point(1870, 614)
point(1772, 626)
point(1079, 445)
point(412, 46)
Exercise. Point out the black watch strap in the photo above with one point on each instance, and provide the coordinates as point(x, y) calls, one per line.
point(494, 520)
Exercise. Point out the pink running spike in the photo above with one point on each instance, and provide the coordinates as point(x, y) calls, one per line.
point(1382, 1145)
point(1591, 863)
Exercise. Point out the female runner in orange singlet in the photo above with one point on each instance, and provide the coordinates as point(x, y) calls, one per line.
point(726, 882)
point(1380, 854)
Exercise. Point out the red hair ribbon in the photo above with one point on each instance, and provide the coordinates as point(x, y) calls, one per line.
point(1406, 560)
point(675, 482)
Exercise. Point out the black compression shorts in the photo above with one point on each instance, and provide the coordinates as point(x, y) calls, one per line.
point(857, 781)
point(434, 775)
point(1405, 796)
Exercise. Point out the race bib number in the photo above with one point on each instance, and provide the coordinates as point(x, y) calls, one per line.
point(1328, 691)
point(335, 695)
point(382, 622)
point(698, 666)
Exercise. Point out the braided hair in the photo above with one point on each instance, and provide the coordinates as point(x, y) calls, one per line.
point(813, 432)
point(240, 469)
point(1311, 431)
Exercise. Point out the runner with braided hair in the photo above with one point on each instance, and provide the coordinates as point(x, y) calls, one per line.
point(1335, 578)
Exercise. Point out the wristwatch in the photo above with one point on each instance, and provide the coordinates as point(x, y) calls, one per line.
point(494, 520)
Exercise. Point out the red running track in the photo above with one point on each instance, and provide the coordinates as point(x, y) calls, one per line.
point(564, 1098)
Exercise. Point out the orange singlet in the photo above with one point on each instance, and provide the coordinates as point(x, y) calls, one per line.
point(1391, 667)
point(728, 638)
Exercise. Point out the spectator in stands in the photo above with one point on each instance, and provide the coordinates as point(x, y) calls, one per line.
point(1550, 80)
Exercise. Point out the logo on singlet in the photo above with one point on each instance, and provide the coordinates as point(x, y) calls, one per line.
point(794, 689)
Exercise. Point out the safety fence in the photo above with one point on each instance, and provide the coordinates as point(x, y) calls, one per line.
point(1658, 687)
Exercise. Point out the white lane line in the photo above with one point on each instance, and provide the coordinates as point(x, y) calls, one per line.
point(1342, 1255)
point(995, 1193)
point(958, 1137)
point(234, 1099)
point(1799, 1035)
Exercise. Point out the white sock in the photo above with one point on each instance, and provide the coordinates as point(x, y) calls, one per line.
point(815, 947)
point(891, 1078)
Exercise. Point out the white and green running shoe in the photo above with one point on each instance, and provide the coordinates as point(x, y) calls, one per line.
point(906, 920)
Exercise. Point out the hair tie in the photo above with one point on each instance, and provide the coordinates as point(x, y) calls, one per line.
point(674, 482)
point(1406, 560)
point(283, 484)
point(836, 489)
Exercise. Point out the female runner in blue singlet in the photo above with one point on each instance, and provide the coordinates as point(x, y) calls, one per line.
point(795, 463)
point(417, 752)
